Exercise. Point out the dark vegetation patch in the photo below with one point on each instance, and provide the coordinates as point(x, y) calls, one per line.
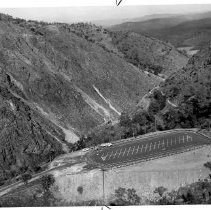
point(196, 193)
point(80, 189)
point(32, 195)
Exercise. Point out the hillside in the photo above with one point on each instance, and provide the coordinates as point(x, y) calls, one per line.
point(55, 86)
point(190, 89)
point(71, 80)
point(183, 100)
point(148, 54)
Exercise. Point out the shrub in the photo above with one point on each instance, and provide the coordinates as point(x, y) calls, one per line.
point(80, 189)
point(160, 191)
point(208, 165)
point(26, 177)
point(125, 197)
point(125, 120)
point(47, 181)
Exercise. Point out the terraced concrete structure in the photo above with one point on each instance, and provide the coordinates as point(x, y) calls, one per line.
point(147, 147)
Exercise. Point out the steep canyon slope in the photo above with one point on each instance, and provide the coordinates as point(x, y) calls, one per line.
point(54, 87)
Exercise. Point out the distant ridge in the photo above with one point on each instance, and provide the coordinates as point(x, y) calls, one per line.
point(181, 30)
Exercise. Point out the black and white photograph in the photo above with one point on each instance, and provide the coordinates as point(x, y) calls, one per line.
point(105, 105)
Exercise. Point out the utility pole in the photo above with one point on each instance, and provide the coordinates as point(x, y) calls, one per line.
point(103, 186)
point(155, 124)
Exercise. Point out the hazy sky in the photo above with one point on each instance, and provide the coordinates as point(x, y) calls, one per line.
point(77, 14)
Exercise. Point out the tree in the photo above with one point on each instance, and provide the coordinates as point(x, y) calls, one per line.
point(47, 181)
point(140, 118)
point(26, 178)
point(80, 189)
point(160, 191)
point(208, 165)
point(80, 144)
point(125, 197)
point(125, 120)
point(154, 107)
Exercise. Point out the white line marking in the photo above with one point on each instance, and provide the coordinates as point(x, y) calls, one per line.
point(150, 146)
point(154, 145)
point(175, 140)
point(103, 157)
point(189, 138)
point(124, 152)
point(137, 149)
point(181, 139)
point(163, 143)
point(115, 154)
point(146, 147)
point(128, 151)
point(119, 153)
point(133, 149)
point(159, 145)
point(167, 143)
point(110, 155)
point(142, 148)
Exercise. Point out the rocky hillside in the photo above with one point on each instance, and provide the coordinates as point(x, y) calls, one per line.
point(55, 86)
point(26, 138)
point(69, 79)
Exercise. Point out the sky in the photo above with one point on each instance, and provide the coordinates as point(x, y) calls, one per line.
point(92, 13)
